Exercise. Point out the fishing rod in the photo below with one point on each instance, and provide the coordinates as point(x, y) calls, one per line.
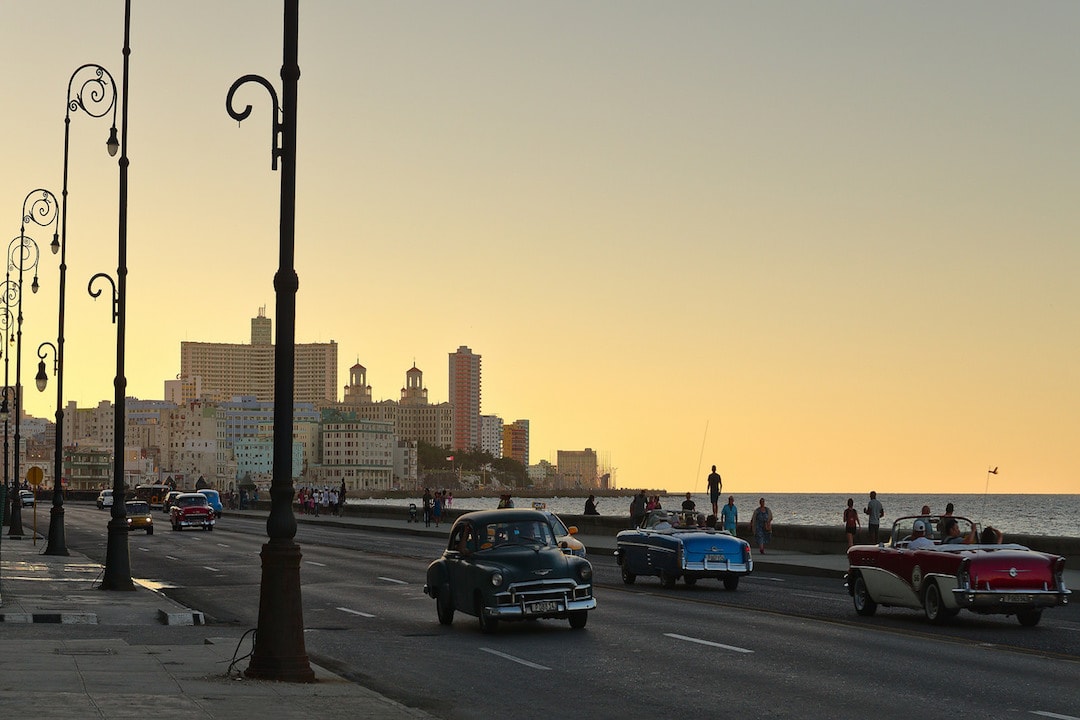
point(697, 475)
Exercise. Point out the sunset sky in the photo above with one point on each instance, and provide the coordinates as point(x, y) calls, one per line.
point(826, 246)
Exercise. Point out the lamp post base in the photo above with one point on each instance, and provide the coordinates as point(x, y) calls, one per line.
point(117, 558)
point(57, 543)
point(15, 528)
point(279, 652)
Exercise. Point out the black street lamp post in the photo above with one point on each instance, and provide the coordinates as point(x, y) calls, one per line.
point(279, 652)
point(41, 208)
point(117, 555)
point(92, 90)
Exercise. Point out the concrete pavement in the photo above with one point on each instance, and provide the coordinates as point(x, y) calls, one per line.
point(70, 650)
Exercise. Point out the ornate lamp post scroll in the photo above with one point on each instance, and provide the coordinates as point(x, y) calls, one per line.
point(279, 652)
point(91, 89)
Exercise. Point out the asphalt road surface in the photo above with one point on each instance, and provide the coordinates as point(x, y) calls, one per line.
point(779, 646)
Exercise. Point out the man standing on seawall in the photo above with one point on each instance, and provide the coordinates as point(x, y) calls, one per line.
point(714, 490)
point(874, 511)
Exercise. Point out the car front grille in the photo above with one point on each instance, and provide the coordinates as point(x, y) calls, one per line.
point(559, 590)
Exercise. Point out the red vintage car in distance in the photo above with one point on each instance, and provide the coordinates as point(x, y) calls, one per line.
point(191, 510)
point(950, 571)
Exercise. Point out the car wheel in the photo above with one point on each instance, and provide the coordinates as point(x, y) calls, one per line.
point(578, 618)
point(209, 528)
point(689, 580)
point(668, 579)
point(487, 624)
point(864, 604)
point(932, 604)
point(444, 606)
point(627, 576)
point(731, 582)
point(149, 531)
point(1029, 618)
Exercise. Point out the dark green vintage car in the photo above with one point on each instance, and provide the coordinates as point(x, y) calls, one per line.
point(507, 565)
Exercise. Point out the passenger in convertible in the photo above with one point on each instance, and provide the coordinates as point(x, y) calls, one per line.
point(919, 541)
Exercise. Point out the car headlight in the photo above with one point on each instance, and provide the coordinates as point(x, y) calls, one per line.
point(496, 579)
point(585, 572)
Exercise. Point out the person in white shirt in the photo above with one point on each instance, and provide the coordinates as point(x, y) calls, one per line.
point(919, 541)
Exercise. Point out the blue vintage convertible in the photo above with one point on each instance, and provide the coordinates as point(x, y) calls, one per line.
point(675, 545)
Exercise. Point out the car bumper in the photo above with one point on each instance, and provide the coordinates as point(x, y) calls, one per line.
point(710, 569)
point(195, 523)
point(1009, 601)
point(523, 611)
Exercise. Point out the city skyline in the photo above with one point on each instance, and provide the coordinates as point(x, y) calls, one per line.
point(826, 247)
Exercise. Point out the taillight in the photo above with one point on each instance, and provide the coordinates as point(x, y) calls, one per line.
point(963, 575)
point(745, 553)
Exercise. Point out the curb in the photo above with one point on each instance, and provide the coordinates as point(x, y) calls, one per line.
point(55, 618)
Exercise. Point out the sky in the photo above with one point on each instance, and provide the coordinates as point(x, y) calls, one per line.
point(826, 246)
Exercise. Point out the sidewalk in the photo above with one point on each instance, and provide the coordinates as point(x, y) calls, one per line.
point(63, 654)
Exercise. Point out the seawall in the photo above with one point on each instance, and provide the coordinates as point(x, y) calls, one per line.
point(814, 539)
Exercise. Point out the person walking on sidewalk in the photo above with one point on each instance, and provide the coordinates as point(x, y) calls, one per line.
point(761, 525)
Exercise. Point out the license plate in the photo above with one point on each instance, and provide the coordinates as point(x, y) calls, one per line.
point(541, 607)
point(714, 558)
point(1016, 598)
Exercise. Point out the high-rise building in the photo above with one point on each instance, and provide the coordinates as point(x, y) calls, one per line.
point(414, 418)
point(577, 469)
point(516, 441)
point(223, 371)
point(491, 433)
point(465, 398)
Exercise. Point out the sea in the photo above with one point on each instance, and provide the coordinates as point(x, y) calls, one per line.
point(1056, 515)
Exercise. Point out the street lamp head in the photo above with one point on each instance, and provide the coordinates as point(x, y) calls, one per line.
point(42, 379)
point(55, 244)
point(113, 143)
point(34, 285)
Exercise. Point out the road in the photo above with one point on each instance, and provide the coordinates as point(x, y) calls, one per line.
point(780, 646)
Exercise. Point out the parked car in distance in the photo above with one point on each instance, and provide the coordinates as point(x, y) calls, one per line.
point(104, 499)
point(26, 497)
point(138, 516)
point(166, 503)
point(506, 565)
point(215, 501)
point(943, 577)
point(191, 510)
point(675, 545)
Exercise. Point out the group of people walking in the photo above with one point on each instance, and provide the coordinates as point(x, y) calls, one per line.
point(316, 501)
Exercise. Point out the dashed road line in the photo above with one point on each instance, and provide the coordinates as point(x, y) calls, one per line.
point(355, 612)
point(1044, 713)
point(699, 641)
point(211, 569)
point(518, 660)
point(317, 564)
point(393, 580)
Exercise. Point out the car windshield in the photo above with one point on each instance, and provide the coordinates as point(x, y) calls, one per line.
point(136, 508)
point(519, 532)
point(191, 500)
point(558, 525)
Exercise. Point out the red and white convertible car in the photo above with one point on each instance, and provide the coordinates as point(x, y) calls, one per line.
point(954, 572)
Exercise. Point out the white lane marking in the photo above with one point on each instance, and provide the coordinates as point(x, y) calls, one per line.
point(211, 569)
point(392, 580)
point(511, 658)
point(144, 549)
point(170, 557)
point(770, 579)
point(818, 596)
point(222, 545)
point(699, 641)
point(312, 562)
point(1053, 715)
point(355, 612)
